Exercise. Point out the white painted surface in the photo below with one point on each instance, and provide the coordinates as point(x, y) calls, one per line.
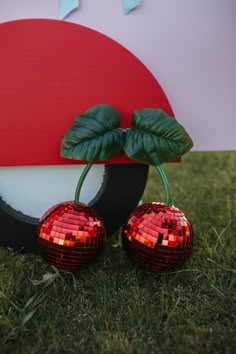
point(34, 189)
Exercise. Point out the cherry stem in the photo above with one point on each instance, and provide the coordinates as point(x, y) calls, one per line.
point(165, 184)
point(81, 181)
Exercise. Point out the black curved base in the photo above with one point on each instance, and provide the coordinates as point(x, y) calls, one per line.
point(122, 188)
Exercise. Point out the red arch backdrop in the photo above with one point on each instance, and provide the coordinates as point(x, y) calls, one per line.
point(52, 71)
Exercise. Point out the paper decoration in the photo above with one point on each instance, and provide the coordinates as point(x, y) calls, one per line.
point(67, 6)
point(129, 5)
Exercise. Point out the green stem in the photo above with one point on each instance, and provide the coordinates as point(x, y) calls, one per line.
point(165, 184)
point(81, 181)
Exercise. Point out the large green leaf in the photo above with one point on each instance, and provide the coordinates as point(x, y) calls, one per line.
point(155, 137)
point(95, 135)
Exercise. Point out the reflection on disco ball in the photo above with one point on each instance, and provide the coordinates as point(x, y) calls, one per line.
point(157, 237)
point(70, 235)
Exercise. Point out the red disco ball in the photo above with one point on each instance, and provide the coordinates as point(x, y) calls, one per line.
point(157, 237)
point(70, 235)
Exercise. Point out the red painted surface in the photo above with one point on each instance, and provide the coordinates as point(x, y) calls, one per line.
point(51, 71)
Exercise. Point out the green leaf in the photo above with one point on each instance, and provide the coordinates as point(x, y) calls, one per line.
point(95, 135)
point(155, 137)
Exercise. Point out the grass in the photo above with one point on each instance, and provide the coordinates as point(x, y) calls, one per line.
point(111, 307)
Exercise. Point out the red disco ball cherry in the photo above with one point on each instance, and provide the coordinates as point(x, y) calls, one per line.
point(70, 235)
point(157, 237)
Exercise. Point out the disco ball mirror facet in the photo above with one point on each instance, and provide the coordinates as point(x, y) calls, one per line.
point(157, 237)
point(70, 235)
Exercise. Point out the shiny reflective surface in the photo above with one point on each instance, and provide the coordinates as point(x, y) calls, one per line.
point(70, 235)
point(157, 237)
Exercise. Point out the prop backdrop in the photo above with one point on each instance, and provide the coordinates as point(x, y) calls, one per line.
point(188, 46)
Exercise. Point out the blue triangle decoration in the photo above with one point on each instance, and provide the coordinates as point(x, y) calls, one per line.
point(129, 5)
point(66, 7)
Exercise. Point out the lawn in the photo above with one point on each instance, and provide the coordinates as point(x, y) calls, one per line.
point(110, 307)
